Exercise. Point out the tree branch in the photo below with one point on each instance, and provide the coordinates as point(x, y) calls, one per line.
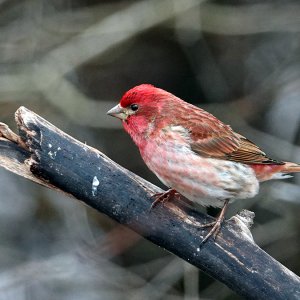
point(50, 157)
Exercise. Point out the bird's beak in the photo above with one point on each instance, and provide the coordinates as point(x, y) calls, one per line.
point(118, 112)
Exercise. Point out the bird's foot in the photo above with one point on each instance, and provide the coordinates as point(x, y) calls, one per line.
point(216, 225)
point(163, 197)
point(215, 230)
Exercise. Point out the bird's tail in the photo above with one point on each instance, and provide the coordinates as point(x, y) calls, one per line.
point(275, 171)
point(290, 167)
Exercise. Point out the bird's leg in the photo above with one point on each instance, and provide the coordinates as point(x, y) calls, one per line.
point(216, 225)
point(163, 197)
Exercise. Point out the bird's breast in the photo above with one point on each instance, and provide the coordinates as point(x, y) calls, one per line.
point(205, 180)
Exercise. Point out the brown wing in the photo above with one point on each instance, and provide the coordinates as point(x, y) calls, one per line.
point(249, 153)
point(212, 138)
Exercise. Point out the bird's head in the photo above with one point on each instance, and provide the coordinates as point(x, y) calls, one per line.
point(139, 109)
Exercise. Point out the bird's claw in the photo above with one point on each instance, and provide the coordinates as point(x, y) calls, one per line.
point(163, 197)
point(216, 227)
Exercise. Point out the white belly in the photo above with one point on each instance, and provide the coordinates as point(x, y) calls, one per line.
point(207, 181)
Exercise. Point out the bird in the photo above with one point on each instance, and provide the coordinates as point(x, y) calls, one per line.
point(193, 153)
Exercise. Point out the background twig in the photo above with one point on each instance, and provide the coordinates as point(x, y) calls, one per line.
point(71, 60)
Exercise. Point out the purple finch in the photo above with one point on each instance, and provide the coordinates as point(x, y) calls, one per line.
point(193, 152)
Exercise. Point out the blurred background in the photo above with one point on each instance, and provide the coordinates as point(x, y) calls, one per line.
point(71, 60)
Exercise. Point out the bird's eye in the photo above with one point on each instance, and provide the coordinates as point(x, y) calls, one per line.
point(134, 107)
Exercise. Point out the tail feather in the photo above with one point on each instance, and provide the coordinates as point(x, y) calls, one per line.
point(275, 171)
point(290, 167)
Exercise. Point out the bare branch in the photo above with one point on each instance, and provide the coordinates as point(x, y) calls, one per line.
point(54, 159)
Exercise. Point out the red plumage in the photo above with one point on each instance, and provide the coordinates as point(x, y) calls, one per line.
point(163, 119)
point(192, 151)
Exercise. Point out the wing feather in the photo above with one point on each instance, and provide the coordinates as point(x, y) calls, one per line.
point(211, 138)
